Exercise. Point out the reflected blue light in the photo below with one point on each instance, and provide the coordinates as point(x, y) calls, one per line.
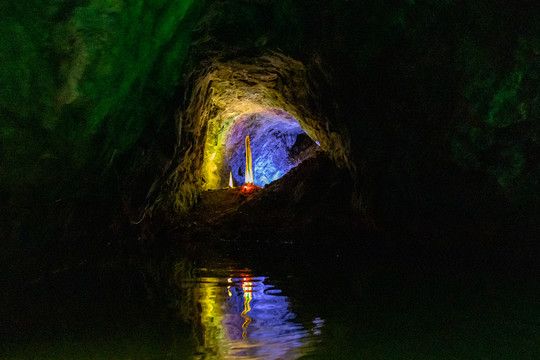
point(246, 318)
point(269, 313)
point(273, 134)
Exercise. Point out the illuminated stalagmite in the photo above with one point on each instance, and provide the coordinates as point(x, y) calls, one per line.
point(249, 169)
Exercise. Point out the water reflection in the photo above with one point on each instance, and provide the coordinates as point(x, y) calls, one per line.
point(242, 316)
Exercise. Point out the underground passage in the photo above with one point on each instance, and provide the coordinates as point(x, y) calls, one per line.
point(278, 144)
point(269, 179)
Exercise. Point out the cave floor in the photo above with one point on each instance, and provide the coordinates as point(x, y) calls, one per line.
point(310, 204)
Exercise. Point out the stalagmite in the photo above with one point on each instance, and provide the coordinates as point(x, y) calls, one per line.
point(249, 169)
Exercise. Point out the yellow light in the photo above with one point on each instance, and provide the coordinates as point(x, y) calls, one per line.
point(230, 180)
point(247, 287)
point(249, 170)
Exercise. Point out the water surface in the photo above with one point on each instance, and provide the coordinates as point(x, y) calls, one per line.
point(233, 301)
point(243, 316)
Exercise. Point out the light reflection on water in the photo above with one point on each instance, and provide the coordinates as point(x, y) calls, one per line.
point(241, 316)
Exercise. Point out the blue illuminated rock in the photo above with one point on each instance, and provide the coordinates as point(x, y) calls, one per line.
point(273, 134)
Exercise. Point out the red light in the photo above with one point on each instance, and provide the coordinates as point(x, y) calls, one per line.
point(248, 188)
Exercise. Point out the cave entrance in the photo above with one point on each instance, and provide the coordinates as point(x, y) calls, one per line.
point(278, 144)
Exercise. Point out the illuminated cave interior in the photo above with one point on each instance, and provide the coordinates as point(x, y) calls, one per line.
point(278, 144)
point(266, 98)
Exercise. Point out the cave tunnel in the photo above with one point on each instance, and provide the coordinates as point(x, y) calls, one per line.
point(266, 98)
point(278, 144)
point(249, 105)
point(394, 151)
point(278, 141)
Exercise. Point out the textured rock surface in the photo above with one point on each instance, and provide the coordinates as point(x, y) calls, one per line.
point(84, 92)
point(425, 112)
point(309, 203)
point(81, 82)
point(223, 92)
point(432, 106)
point(273, 136)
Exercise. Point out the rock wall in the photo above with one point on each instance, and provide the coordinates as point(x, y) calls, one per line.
point(223, 91)
point(85, 87)
point(428, 104)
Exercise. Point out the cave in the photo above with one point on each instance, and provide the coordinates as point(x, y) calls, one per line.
point(278, 142)
point(269, 179)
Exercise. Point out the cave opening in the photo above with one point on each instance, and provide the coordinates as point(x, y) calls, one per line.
point(267, 98)
point(278, 144)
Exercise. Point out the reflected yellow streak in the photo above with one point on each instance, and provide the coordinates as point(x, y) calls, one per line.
point(211, 315)
point(248, 288)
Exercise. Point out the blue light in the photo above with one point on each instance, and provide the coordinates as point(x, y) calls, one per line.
point(272, 134)
point(244, 317)
point(272, 332)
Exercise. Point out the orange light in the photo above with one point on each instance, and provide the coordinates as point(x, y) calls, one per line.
point(249, 169)
point(230, 180)
point(248, 188)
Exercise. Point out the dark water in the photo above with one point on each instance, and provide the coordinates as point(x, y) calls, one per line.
point(245, 300)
